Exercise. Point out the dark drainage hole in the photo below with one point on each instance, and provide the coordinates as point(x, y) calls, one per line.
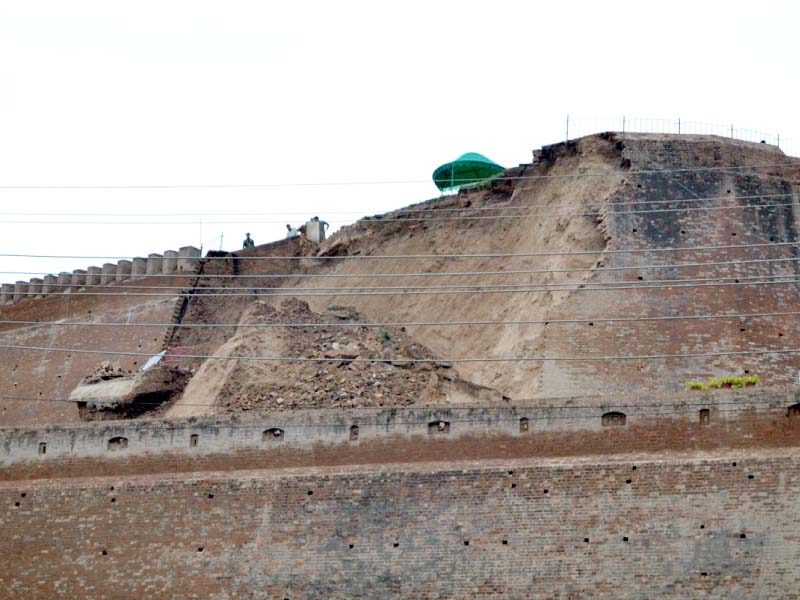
point(310, 493)
point(586, 540)
point(466, 542)
point(200, 549)
point(513, 485)
point(396, 544)
point(743, 535)
point(704, 574)
point(104, 552)
point(751, 476)
point(627, 481)
point(505, 542)
point(351, 546)
point(547, 491)
point(211, 495)
point(625, 539)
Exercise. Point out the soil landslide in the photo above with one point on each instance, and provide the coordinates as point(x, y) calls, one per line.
point(529, 286)
point(344, 367)
point(564, 249)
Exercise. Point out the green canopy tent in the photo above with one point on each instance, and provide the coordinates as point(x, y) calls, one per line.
point(467, 168)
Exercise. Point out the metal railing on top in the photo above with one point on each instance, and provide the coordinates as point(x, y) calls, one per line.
point(580, 127)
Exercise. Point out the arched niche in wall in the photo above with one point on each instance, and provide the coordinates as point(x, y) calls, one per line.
point(273, 434)
point(614, 419)
point(117, 443)
point(436, 427)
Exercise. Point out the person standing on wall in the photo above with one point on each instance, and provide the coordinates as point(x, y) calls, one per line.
point(248, 242)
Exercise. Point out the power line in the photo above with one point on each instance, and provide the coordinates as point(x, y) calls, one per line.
point(408, 323)
point(475, 286)
point(398, 181)
point(300, 359)
point(197, 292)
point(239, 256)
point(438, 274)
point(398, 210)
point(382, 219)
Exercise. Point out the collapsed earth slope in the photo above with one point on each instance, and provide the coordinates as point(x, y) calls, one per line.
point(610, 211)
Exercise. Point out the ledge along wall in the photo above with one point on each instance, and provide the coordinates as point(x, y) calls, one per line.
point(631, 525)
point(35, 378)
point(763, 418)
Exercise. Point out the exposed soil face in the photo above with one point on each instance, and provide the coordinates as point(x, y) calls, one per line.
point(151, 394)
point(345, 379)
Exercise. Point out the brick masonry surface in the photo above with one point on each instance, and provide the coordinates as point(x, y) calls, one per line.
point(757, 418)
point(718, 526)
point(654, 181)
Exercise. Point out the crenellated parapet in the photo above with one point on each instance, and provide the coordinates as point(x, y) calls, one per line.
point(171, 262)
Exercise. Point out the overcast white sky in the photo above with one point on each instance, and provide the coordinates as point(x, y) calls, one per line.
point(234, 92)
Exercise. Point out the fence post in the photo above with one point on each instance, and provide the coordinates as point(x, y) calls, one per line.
point(623, 123)
point(779, 140)
point(679, 125)
point(567, 128)
point(731, 130)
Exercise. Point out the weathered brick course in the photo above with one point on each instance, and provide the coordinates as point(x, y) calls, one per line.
point(642, 527)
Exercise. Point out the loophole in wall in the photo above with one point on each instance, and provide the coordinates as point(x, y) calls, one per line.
point(117, 443)
point(438, 427)
point(273, 434)
point(614, 419)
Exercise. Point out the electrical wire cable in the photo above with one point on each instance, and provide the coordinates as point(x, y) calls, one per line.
point(403, 360)
point(628, 201)
point(382, 219)
point(475, 286)
point(734, 262)
point(239, 256)
point(630, 172)
point(344, 324)
point(197, 292)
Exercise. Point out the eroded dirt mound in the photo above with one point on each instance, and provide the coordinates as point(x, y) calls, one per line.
point(344, 382)
point(365, 366)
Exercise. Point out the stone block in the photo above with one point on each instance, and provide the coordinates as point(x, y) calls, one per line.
point(170, 262)
point(188, 257)
point(49, 286)
point(93, 275)
point(7, 293)
point(20, 290)
point(78, 279)
point(35, 287)
point(155, 264)
point(124, 268)
point(108, 274)
point(64, 285)
point(138, 266)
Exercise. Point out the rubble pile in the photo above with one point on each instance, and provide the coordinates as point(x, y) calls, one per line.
point(363, 366)
point(105, 371)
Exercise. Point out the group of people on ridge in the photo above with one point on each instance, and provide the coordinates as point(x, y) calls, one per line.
point(291, 232)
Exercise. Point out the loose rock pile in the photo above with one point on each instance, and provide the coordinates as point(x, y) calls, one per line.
point(364, 366)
